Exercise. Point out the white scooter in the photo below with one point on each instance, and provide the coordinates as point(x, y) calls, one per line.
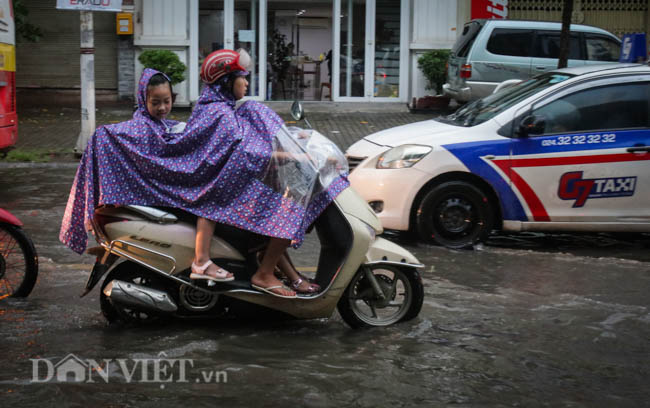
point(148, 251)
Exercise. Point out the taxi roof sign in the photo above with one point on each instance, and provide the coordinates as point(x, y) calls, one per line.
point(633, 48)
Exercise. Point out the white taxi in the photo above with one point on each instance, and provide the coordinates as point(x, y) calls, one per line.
point(568, 150)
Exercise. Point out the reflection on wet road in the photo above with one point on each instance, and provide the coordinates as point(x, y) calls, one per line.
point(525, 320)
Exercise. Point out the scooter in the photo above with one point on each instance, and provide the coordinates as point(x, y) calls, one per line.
point(18, 259)
point(146, 253)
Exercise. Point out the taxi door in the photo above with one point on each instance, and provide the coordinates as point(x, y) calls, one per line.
point(590, 161)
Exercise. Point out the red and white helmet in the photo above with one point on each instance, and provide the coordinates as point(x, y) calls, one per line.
point(222, 62)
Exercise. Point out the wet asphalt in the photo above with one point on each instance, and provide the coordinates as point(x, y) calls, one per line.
point(525, 320)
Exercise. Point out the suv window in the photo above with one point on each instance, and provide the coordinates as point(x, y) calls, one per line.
point(611, 107)
point(602, 48)
point(466, 39)
point(507, 41)
point(547, 45)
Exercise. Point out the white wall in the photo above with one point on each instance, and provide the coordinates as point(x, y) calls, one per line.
point(164, 24)
point(435, 25)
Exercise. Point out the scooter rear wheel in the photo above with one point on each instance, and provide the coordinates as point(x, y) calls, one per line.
point(361, 307)
point(18, 262)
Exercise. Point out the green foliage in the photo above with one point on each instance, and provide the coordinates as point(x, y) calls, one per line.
point(17, 155)
point(433, 65)
point(164, 61)
point(25, 29)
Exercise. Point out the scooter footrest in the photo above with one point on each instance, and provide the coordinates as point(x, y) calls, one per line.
point(223, 286)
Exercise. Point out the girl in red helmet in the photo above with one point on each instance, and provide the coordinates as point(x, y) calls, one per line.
point(224, 74)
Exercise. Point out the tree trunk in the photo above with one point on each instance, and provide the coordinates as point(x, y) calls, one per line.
point(565, 35)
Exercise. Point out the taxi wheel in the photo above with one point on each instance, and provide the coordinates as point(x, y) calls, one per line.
point(455, 214)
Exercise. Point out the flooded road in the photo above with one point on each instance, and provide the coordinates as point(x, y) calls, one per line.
point(525, 320)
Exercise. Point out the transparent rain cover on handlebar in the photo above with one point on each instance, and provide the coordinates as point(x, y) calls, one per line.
point(304, 163)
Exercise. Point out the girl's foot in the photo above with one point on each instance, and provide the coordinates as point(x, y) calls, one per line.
point(216, 274)
point(272, 287)
point(303, 286)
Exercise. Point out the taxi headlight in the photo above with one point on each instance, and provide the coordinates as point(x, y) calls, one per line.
point(403, 156)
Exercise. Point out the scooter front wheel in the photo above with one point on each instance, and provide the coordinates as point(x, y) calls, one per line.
point(18, 262)
point(361, 305)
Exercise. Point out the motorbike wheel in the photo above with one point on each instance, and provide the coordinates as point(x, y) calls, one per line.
point(116, 313)
point(18, 262)
point(361, 307)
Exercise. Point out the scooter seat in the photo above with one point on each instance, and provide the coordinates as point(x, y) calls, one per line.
point(154, 214)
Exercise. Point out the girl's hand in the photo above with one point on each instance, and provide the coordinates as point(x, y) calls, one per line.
point(304, 134)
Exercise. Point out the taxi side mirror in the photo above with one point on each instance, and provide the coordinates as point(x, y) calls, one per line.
point(531, 125)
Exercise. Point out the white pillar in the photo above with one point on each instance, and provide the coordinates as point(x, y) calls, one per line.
point(193, 59)
point(87, 64)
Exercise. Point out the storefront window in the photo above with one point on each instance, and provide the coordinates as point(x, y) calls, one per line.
point(246, 37)
point(211, 27)
point(211, 33)
point(353, 34)
point(299, 43)
point(387, 49)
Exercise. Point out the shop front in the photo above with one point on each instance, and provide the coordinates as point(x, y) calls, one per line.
point(313, 50)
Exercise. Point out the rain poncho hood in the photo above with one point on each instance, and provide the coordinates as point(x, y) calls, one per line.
point(217, 167)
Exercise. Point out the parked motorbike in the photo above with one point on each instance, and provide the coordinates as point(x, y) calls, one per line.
point(147, 252)
point(18, 259)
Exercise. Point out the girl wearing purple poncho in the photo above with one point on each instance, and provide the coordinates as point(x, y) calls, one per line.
point(212, 169)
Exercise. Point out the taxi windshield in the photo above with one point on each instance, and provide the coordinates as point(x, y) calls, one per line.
point(485, 109)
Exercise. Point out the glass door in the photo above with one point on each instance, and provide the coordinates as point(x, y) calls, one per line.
point(387, 49)
point(233, 24)
point(370, 49)
point(246, 35)
point(350, 51)
point(299, 44)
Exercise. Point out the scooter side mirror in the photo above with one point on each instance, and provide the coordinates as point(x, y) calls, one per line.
point(297, 111)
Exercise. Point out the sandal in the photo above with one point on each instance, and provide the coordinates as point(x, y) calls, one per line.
point(271, 290)
point(222, 275)
point(311, 288)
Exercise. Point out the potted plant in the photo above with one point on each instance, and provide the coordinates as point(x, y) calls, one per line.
point(164, 61)
point(433, 65)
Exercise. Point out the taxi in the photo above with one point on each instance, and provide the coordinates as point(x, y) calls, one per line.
point(568, 150)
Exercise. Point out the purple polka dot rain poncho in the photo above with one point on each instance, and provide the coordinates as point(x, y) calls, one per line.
point(214, 168)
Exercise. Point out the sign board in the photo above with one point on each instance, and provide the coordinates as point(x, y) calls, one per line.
point(633, 48)
point(89, 5)
point(246, 35)
point(489, 9)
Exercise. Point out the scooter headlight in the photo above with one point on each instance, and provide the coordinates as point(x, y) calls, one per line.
point(403, 156)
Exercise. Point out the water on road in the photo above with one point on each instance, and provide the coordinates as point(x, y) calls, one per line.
point(525, 320)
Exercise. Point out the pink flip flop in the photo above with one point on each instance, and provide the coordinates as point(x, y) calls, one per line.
point(269, 290)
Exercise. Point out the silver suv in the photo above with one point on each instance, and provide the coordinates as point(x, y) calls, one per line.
point(491, 51)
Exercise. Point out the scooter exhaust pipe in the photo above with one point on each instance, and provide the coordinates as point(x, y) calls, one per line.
point(140, 297)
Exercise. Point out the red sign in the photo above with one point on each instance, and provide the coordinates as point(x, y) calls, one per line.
point(489, 9)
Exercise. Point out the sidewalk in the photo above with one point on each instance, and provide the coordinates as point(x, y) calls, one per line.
point(54, 130)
